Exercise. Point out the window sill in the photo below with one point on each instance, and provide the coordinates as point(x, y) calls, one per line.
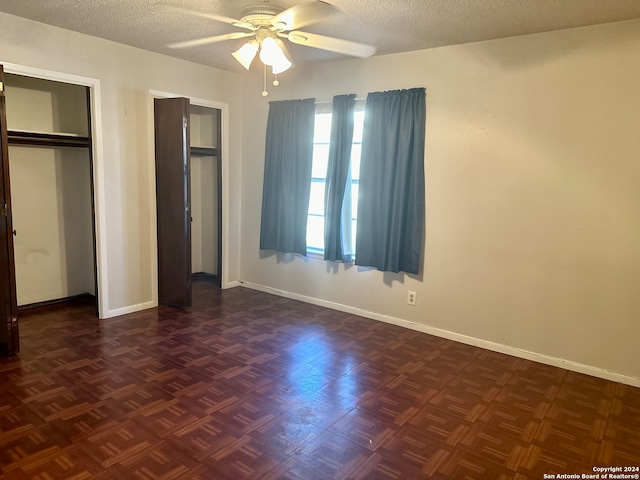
point(316, 255)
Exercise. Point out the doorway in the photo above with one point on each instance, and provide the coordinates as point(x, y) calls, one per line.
point(188, 161)
point(206, 186)
point(51, 187)
point(51, 213)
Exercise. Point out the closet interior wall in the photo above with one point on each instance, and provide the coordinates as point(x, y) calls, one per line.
point(51, 189)
point(204, 191)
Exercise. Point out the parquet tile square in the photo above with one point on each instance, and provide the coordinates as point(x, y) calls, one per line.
point(215, 397)
point(22, 446)
point(18, 419)
point(65, 404)
point(292, 470)
point(246, 457)
point(184, 381)
point(387, 406)
point(333, 456)
point(201, 438)
point(88, 422)
point(246, 385)
point(365, 430)
point(67, 463)
point(166, 417)
point(344, 393)
point(125, 443)
point(287, 433)
point(380, 468)
point(39, 385)
point(419, 451)
point(247, 414)
point(137, 400)
point(163, 462)
point(245, 379)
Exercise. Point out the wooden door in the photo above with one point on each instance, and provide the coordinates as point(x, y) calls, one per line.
point(173, 201)
point(9, 334)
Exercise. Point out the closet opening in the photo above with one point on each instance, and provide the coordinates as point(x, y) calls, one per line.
point(188, 197)
point(51, 175)
point(206, 248)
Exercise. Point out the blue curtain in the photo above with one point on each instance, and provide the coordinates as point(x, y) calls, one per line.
point(287, 176)
point(337, 206)
point(391, 201)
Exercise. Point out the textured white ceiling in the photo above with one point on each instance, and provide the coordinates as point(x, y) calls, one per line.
point(391, 25)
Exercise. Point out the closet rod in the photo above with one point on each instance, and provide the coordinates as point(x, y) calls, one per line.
point(31, 139)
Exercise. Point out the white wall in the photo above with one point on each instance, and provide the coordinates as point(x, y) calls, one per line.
point(204, 226)
point(203, 126)
point(532, 174)
point(51, 199)
point(209, 210)
point(40, 105)
point(126, 75)
point(196, 215)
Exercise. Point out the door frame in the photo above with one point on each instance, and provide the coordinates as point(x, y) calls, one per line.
point(97, 159)
point(224, 195)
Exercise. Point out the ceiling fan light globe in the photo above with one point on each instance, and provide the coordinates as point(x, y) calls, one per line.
point(246, 54)
point(282, 65)
point(269, 51)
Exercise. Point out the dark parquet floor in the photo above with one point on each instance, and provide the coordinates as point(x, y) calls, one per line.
point(250, 385)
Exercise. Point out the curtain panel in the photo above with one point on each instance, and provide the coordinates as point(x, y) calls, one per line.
point(287, 176)
point(337, 208)
point(391, 203)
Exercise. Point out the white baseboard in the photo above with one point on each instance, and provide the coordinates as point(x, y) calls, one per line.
point(496, 347)
point(146, 305)
point(130, 309)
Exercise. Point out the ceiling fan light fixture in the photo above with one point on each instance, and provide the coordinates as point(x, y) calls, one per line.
point(267, 24)
point(246, 53)
point(269, 51)
point(282, 65)
point(271, 54)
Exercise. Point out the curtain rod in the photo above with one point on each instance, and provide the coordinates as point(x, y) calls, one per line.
point(331, 101)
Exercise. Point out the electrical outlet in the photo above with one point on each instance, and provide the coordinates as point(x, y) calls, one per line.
point(411, 298)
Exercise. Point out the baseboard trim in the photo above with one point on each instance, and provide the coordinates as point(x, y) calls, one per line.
point(56, 301)
point(476, 342)
point(116, 312)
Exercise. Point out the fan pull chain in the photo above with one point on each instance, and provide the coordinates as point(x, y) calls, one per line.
point(264, 82)
point(275, 80)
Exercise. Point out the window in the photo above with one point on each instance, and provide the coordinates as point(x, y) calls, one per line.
point(322, 133)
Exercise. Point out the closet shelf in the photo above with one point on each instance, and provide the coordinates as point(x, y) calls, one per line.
point(204, 151)
point(40, 139)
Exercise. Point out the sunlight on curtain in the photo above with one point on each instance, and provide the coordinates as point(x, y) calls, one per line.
point(337, 222)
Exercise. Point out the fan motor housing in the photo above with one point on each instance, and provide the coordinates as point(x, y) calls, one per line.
point(260, 15)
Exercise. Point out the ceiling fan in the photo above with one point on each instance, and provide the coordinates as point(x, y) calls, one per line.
point(267, 24)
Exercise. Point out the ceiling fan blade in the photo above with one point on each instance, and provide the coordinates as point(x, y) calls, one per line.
point(331, 44)
point(208, 40)
point(303, 14)
point(212, 16)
